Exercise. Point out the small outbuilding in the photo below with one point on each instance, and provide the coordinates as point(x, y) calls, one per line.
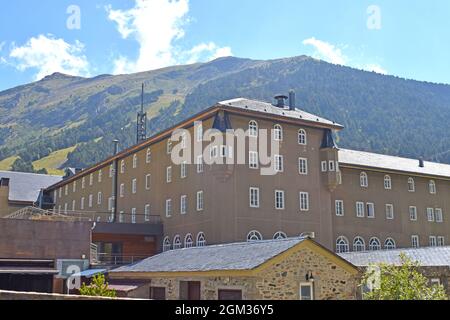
point(288, 269)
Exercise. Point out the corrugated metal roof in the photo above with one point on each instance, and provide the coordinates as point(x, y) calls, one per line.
point(427, 257)
point(235, 256)
point(267, 108)
point(26, 186)
point(375, 160)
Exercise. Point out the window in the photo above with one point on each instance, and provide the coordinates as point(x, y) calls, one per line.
point(91, 200)
point(122, 166)
point(148, 179)
point(169, 146)
point(430, 214)
point(200, 167)
point(374, 244)
point(413, 213)
point(254, 197)
point(188, 241)
point(183, 173)
point(111, 204)
point(342, 245)
point(370, 210)
point(74, 187)
point(91, 179)
point(111, 171)
point(306, 291)
point(304, 201)
point(302, 137)
point(200, 133)
point(279, 167)
point(82, 203)
point(148, 156)
point(121, 217)
point(147, 213)
point(200, 201)
point(168, 208)
point(389, 244)
point(440, 241)
point(432, 241)
point(278, 133)
point(73, 205)
point(253, 129)
point(166, 244)
point(134, 186)
point(83, 184)
point(183, 140)
point(201, 240)
point(279, 235)
point(177, 242)
point(432, 187)
point(364, 180)
point(100, 174)
point(411, 185)
point(253, 160)
point(135, 161)
point(323, 166)
point(213, 152)
point(415, 241)
point(359, 245)
point(435, 282)
point(254, 236)
point(279, 199)
point(339, 207)
point(122, 190)
point(360, 209)
point(133, 215)
point(389, 211)
point(183, 204)
point(66, 190)
point(59, 209)
point(303, 166)
point(169, 174)
point(387, 182)
point(65, 208)
point(438, 215)
point(331, 166)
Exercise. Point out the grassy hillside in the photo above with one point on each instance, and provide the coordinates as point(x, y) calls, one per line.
point(381, 113)
point(54, 162)
point(6, 164)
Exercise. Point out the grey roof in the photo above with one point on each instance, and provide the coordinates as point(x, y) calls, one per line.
point(267, 108)
point(367, 159)
point(429, 256)
point(235, 256)
point(26, 186)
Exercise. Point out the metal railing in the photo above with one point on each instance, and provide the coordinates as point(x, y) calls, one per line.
point(105, 259)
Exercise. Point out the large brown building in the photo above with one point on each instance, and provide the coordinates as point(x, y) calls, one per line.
point(347, 200)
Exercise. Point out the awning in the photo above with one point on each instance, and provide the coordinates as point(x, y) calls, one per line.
point(28, 270)
point(89, 273)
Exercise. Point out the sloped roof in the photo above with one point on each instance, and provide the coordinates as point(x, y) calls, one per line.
point(270, 109)
point(25, 187)
point(235, 256)
point(429, 256)
point(375, 160)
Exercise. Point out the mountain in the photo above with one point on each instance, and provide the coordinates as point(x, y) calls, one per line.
point(83, 115)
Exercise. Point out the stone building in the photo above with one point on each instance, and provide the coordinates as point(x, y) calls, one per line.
point(289, 269)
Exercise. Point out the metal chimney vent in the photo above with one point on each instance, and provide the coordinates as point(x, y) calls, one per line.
point(421, 163)
point(292, 100)
point(280, 101)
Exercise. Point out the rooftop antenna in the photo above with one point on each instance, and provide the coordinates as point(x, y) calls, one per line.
point(141, 121)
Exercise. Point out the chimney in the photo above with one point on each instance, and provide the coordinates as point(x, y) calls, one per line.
point(116, 146)
point(291, 100)
point(4, 182)
point(421, 163)
point(280, 100)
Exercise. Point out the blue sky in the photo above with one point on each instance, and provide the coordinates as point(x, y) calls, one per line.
point(404, 38)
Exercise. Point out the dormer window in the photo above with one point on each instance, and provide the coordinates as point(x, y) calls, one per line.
point(364, 180)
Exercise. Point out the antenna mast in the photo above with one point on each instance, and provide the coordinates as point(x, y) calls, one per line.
point(141, 121)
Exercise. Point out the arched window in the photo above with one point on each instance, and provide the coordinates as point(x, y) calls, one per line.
point(279, 235)
point(374, 244)
point(432, 187)
point(201, 239)
point(188, 241)
point(166, 244)
point(387, 182)
point(364, 180)
point(111, 171)
point(122, 166)
point(148, 157)
point(411, 185)
point(253, 129)
point(254, 236)
point(342, 245)
point(359, 245)
point(302, 137)
point(177, 242)
point(169, 146)
point(135, 160)
point(278, 133)
point(389, 244)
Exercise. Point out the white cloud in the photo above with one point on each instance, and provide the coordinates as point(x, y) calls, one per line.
point(326, 51)
point(47, 55)
point(156, 25)
point(2, 44)
point(375, 68)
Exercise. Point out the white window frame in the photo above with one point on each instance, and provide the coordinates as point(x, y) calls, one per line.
point(134, 186)
point(277, 132)
point(253, 129)
point(177, 244)
point(122, 190)
point(279, 235)
point(147, 212)
point(309, 285)
point(168, 208)
point(359, 245)
point(90, 200)
point(387, 182)
point(133, 215)
point(66, 190)
point(169, 146)
point(389, 244)
point(253, 160)
point(302, 137)
point(331, 166)
point(280, 200)
point(121, 216)
point(374, 244)
point(438, 215)
point(200, 133)
point(415, 243)
point(303, 166)
point(360, 209)
point(324, 166)
point(91, 179)
point(167, 244)
point(200, 240)
point(148, 155)
point(364, 180)
point(74, 203)
point(432, 187)
point(304, 201)
point(82, 203)
point(254, 197)
point(183, 204)
point(122, 166)
point(342, 245)
point(74, 187)
point(183, 169)
point(135, 161)
point(369, 214)
point(100, 176)
point(169, 174)
point(413, 213)
point(339, 208)
point(188, 241)
point(200, 165)
point(111, 171)
point(83, 183)
point(200, 201)
point(389, 211)
point(432, 241)
point(148, 181)
point(411, 185)
point(440, 241)
point(254, 236)
point(430, 215)
point(279, 163)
